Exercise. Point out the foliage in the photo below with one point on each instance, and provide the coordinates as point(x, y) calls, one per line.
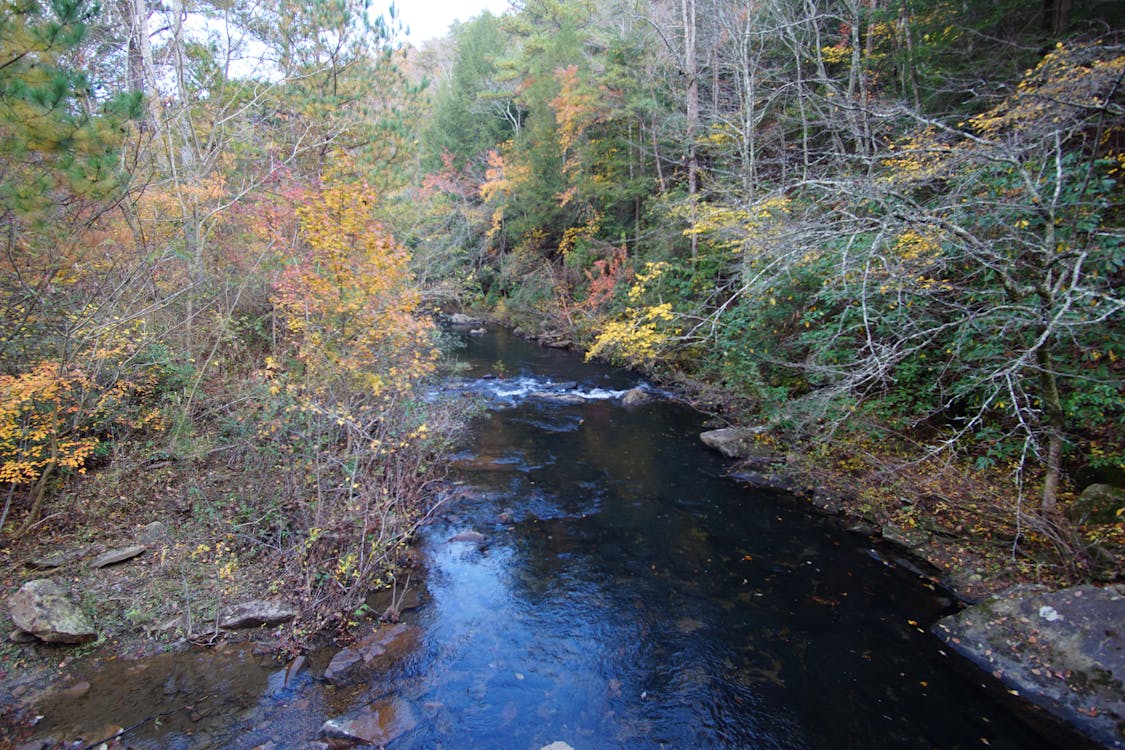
point(347, 300)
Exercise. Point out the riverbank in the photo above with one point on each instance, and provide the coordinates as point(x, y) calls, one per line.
point(235, 538)
point(59, 669)
point(973, 525)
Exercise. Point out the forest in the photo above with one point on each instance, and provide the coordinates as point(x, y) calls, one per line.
point(888, 231)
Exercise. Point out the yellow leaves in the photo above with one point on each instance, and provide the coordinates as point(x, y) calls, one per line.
point(836, 54)
point(36, 422)
point(641, 333)
point(348, 300)
point(728, 225)
point(634, 339)
point(912, 245)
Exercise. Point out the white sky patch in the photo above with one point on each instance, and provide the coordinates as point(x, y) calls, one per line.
point(430, 19)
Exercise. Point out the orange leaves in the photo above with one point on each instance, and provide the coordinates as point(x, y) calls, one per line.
point(575, 107)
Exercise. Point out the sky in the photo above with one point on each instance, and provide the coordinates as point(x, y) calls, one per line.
point(429, 19)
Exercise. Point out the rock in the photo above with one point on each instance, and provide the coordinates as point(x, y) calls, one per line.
point(557, 746)
point(474, 537)
point(376, 724)
point(763, 481)
point(75, 691)
point(636, 397)
point(152, 533)
point(45, 609)
point(57, 560)
point(392, 602)
point(21, 636)
point(558, 343)
point(292, 670)
point(478, 331)
point(863, 528)
point(384, 645)
point(117, 555)
point(1098, 503)
point(909, 538)
point(257, 613)
point(342, 666)
point(825, 504)
point(740, 443)
point(1063, 650)
point(465, 321)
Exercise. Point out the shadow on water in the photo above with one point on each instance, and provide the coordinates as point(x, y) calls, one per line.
point(626, 594)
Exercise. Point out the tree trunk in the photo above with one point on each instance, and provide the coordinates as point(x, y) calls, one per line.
point(1056, 427)
point(692, 106)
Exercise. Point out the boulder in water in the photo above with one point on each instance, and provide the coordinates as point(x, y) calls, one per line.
point(461, 320)
point(45, 609)
point(740, 443)
point(636, 397)
point(473, 537)
point(376, 724)
point(385, 644)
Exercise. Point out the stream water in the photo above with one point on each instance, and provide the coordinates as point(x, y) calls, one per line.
point(627, 594)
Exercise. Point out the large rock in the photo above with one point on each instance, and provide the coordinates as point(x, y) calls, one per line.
point(1098, 503)
point(45, 609)
point(255, 614)
point(376, 724)
point(739, 443)
point(382, 646)
point(1063, 650)
point(115, 556)
point(152, 533)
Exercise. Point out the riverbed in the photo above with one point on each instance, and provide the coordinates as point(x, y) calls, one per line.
point(597, 579)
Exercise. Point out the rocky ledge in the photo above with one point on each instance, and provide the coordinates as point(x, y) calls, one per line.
point(1062, 650)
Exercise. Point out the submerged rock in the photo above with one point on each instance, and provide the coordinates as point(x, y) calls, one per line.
point(254, 614)
point(45, 609)
point(1062, 650)
point(376, 724)
point(473, 537)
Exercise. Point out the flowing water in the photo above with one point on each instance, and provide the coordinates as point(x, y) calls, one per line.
point(626, 594)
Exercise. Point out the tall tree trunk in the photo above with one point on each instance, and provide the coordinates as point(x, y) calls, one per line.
point(691, 72)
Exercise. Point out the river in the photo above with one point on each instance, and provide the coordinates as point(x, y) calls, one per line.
point(626, 594)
